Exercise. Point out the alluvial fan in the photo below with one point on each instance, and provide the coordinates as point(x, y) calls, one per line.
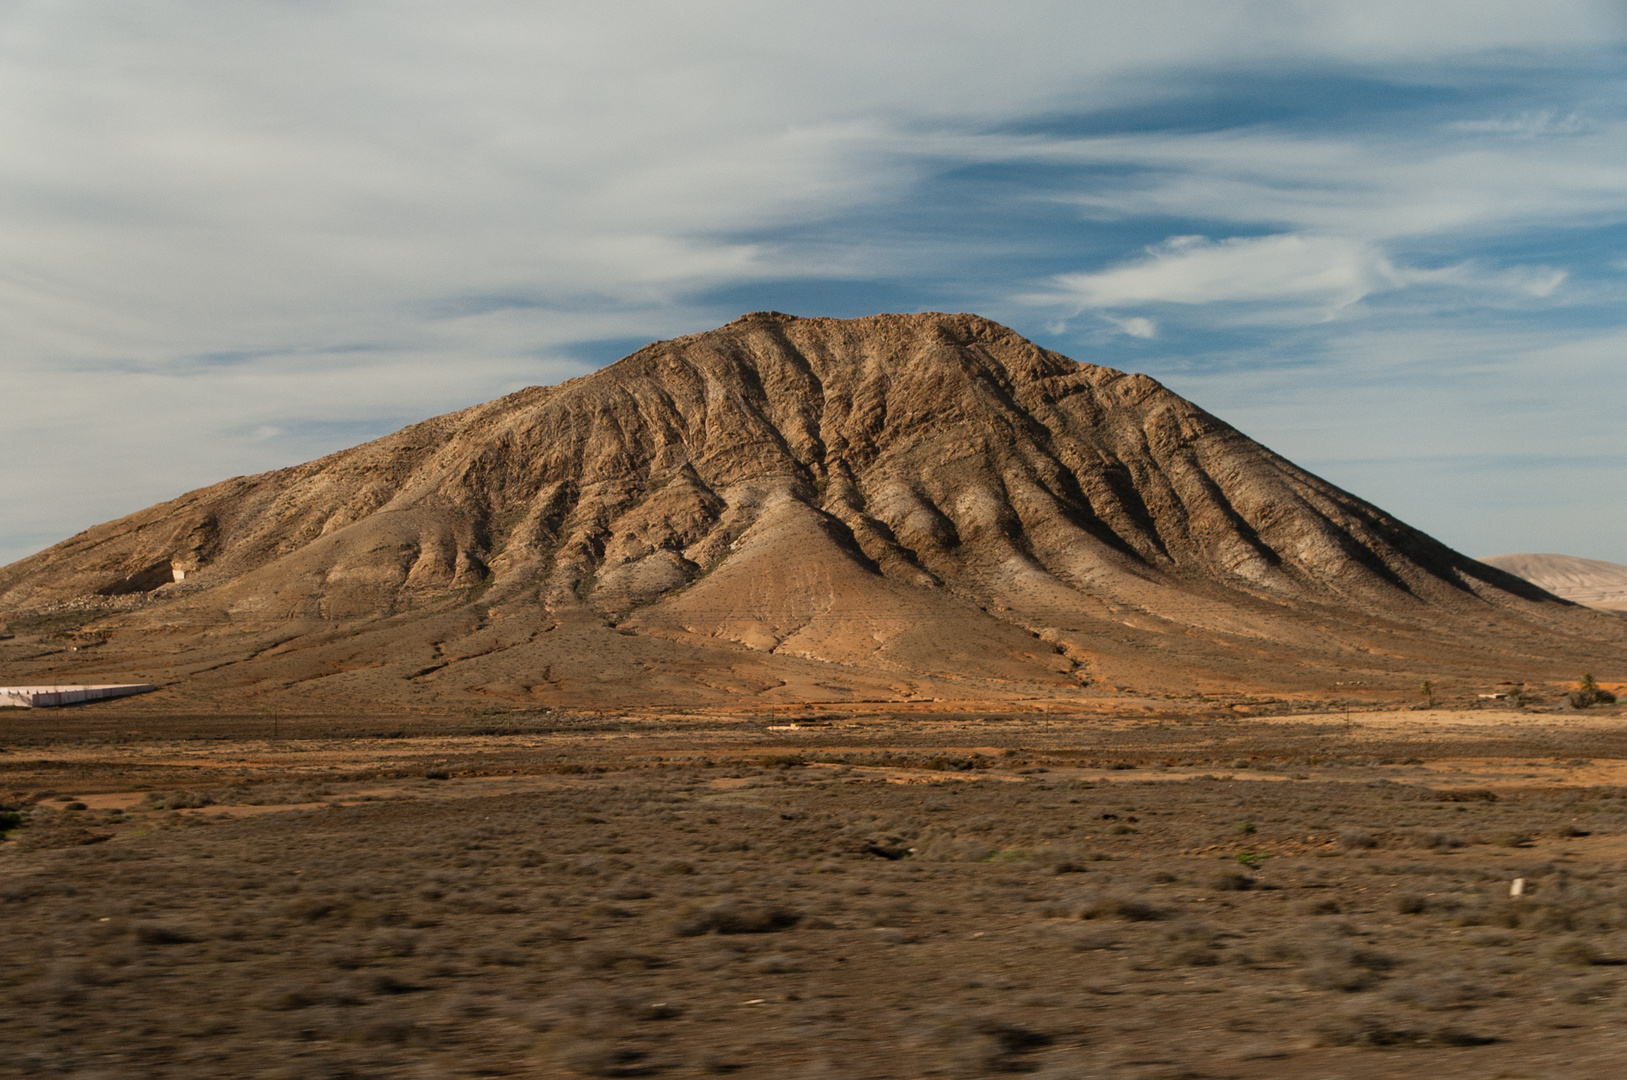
point(901, 507)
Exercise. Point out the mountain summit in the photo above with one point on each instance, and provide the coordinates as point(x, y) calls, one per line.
point(785, 509)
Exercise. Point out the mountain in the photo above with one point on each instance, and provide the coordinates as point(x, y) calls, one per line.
point(895, 508)
point(1592, 582)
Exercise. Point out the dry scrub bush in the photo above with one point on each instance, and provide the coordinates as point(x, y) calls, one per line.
point(1590, 991)
point(734, 916)
point(165, 934)
point(1468, 795)
point(179, 800)
point(1192, 944)
point(1577, 952)
point(933, 845)
point(1081, 939)
point(1370, 1030)
point(1432, 840)
point(1336, 966)
point(1126, 908)
point(1063, 860)
point(980, 1046)
point(602, 1033)
point(1442, 992)
point(596, 1052)
point(1231, 881)
point(1271, 952)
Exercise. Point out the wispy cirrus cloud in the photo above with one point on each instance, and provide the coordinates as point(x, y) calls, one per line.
point(1405, 180)
point(1282, 278)
point(1530, 124)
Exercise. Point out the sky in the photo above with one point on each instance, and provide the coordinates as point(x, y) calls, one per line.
point(1386, 239)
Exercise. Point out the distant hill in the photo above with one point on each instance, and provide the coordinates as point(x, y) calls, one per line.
point(1593, 582)
point(893, 508)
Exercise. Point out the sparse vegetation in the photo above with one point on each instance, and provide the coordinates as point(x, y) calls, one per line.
point(1231, 882)
point(1357, 839)
point(179, 800)
point(1345, 968)
point(733, 916)
point(565, 906)
point(1588, 693)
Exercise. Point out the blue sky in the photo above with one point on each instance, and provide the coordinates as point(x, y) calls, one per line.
point(1389, 240)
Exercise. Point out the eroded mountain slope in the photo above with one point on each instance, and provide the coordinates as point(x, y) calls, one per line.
point(788, 509)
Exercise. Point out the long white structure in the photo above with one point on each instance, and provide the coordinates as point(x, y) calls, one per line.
point(40, 697)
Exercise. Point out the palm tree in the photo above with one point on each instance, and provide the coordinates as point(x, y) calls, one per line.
point(1589, 693)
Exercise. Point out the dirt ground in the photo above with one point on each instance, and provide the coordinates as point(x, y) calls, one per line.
point(841, 894)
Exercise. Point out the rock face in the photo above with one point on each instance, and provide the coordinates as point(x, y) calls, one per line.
point(897, 507)
point(1593, 582)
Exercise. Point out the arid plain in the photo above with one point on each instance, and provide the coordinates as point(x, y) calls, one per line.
point(843, 893)
point(880, 698)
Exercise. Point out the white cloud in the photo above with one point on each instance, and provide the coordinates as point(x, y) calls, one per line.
point(1384, 185)
point(1530, 124)
point(1288, 278)
point(1328, 272)
point(1537, 282)
point(1137, 326)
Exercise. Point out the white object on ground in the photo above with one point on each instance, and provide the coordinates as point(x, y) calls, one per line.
point(39, 697)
